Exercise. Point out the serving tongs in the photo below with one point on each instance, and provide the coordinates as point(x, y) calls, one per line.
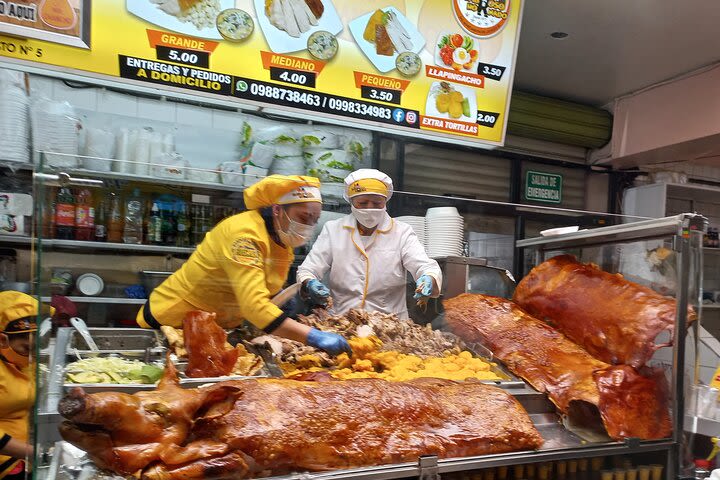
point(84, 332)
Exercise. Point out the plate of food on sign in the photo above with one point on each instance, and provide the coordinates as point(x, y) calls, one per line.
point(455, 102)
point(289, 25)
point(385, 35)
point(190, 17)
point(457, 52)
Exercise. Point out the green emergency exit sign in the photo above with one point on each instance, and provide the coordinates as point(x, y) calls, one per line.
point(543, 187)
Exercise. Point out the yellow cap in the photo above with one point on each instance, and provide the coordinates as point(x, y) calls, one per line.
point(367, 186)
point(282, 190)
point(368, 181)
point(15, 306)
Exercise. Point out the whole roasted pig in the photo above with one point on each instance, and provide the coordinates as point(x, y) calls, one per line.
point(614, 319)
point(276, 426)
point(629, 404)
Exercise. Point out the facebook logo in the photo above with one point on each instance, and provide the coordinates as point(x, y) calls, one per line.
point(398, 115)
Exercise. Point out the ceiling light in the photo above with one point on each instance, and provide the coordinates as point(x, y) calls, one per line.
point(559, 35)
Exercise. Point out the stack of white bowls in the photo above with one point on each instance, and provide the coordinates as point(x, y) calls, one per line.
point(418, 226)
point(444, 230)
point(14, 123)
point(55, 129)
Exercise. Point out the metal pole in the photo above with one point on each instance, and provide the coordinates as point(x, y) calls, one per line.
point(675, 462)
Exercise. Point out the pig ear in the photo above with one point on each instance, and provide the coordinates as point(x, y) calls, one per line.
point(170, 376)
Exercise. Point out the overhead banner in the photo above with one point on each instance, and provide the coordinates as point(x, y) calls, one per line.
point(61, 21)
point(430, 68)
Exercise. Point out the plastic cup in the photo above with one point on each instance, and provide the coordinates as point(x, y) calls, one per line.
point(543, 472)
point(656, 471)
point(607, 474)
point(502, 473)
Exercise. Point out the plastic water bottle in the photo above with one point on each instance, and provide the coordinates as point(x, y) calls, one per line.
point(133, 231)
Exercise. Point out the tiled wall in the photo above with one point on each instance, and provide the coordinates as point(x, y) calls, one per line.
point(204, 136)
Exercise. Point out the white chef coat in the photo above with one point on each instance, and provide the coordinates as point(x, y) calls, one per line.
point(370, 276)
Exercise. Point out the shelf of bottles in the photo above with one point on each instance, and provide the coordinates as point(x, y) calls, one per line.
point(133, 221)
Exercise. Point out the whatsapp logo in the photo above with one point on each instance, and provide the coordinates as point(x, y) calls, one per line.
point(241, 86)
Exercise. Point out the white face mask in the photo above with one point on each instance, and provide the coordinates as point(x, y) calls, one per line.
point(297, 234)
point(368, 217)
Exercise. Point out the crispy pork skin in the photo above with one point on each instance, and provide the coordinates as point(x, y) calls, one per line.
point(276, 426)
point(630, 404)
point(615, 320)
point(206, 344)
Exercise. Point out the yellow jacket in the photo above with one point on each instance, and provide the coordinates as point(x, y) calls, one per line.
point(234, 272)
point(17, 396)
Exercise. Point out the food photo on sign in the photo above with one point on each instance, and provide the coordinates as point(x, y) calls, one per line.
point(58, 21)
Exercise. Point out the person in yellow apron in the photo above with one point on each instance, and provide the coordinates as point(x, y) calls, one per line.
point(368, 254)
point(17, 381)
point(244, 261)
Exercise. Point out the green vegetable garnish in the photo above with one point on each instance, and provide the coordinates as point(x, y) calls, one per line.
point(466, 107)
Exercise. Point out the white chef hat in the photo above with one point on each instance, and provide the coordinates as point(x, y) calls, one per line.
point(368, 181)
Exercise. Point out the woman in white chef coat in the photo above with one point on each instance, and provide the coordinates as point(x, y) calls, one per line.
point(368, 255)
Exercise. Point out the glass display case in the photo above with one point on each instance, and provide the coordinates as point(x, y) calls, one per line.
point(107, 281)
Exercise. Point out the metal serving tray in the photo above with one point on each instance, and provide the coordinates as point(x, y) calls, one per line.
point(117, 340)
point(498, 368)
point(185, 382)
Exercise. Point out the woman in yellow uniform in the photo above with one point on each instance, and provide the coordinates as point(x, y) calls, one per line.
point(244, 261)
point(17, 381)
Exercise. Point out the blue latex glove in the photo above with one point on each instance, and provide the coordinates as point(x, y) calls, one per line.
point(423, 287)
point(317, 292)
point(331, 343)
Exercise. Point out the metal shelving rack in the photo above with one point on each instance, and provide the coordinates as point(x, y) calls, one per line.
point(685, 232)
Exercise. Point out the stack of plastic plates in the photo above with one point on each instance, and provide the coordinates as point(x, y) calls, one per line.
point(418, 226)
point(444, 230)
point(14, 125)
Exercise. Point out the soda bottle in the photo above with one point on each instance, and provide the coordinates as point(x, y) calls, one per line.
point(155, 223)
point(183, 228)
point(65, 215)
point(133, 230)
point(115, 220)
point(101, 233)
point(84, 216)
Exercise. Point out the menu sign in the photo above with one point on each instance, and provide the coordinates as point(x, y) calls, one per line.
point(431, 68)
point(60, 21)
